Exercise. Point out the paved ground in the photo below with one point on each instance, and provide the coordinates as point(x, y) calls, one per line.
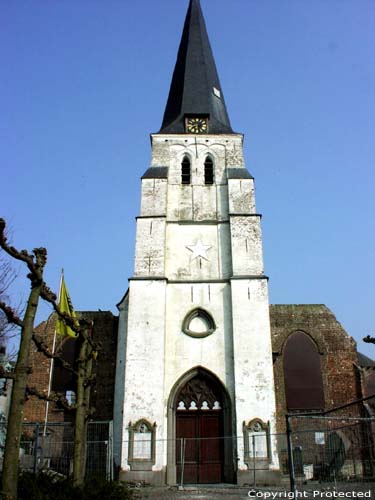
point(244, 493)
point(192, 493)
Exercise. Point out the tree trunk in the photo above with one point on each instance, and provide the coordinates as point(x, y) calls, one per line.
point(15, 418)
point(83, 402)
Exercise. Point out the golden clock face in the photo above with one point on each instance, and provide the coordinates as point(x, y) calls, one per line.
point(196, 125)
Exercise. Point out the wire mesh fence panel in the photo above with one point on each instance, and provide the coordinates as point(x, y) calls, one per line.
point(210, 460)
point(202, 460)
point(99, 456)
point(334, 449)
point(50, 446)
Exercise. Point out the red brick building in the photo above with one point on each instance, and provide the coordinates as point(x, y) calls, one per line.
point(60, 380)
point(345, 375)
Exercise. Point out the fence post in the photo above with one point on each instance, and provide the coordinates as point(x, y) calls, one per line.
point(36, 449)
point(292, 477)
point(110, 444)
point(254, 473)
point(182, 461)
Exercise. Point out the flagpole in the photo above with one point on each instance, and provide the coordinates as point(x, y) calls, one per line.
point(51, 363)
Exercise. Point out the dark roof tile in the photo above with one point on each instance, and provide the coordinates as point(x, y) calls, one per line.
point(156, 173)
point(195, 87)
point(238, 173)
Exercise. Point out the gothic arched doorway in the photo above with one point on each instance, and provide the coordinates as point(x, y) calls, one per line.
point(202, 429)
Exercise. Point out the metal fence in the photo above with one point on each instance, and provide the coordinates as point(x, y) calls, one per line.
point(207, 460)
point(321, 451)
point(328, 450)
point(333, 449)
point(49, 446)
point(210, 460)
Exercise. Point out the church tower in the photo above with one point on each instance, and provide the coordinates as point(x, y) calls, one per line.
point(195, 398)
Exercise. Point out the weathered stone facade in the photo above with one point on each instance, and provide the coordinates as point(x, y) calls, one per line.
point(342, 367)
point(337, 350)
point(198, 245)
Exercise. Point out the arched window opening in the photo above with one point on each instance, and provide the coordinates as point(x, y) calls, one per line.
point(208, 171)
point(198, 323)
point(185, 171)
point(302, 374)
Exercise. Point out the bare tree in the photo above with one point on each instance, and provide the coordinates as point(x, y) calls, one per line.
point(7, 276)
point(35, 263)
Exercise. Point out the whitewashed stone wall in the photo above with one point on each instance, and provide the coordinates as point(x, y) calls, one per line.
point(154, 197)
point(118, 410)
point(213, 352)
point(150, 247)
point(144, 361)
point(200, 246)
point(246, 243)
point(241, 196)
point(255, 395)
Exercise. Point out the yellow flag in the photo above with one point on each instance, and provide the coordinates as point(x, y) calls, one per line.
point(65, 306)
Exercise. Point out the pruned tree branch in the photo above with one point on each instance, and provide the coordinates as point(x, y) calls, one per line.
point(43, 347)
point(89, 380)
point(35, 261)
point(83, 324)
point(4, 373)
point(53, 397)
point(10, 314)
point(37, 339)
point(58, 398)
point(7, 276)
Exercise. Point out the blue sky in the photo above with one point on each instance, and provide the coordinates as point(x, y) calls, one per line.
point(84, 83)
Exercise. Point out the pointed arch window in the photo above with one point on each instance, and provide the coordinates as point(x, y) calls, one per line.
point(185, 171)
point(302, 373)
point(208, 171)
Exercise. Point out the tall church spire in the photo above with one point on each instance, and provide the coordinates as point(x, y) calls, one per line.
point(195, 89)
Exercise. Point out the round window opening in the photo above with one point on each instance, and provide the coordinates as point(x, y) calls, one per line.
point(198, 323)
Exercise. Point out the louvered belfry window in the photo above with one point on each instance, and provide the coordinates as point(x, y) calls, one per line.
point(185, 171)
point(208, 171)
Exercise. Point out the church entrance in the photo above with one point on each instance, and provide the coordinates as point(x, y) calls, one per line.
point(200, 429)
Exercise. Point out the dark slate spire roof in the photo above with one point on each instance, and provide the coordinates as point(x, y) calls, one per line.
point(195, 87)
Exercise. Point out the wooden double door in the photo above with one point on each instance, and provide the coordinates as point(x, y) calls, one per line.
point(200, 447)
point(199, 431)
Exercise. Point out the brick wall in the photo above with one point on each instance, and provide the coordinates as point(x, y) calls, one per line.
point(35, 409)
point(336, 347)
point(102, 392)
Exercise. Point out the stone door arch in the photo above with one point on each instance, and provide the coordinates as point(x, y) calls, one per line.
point(200, 427)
